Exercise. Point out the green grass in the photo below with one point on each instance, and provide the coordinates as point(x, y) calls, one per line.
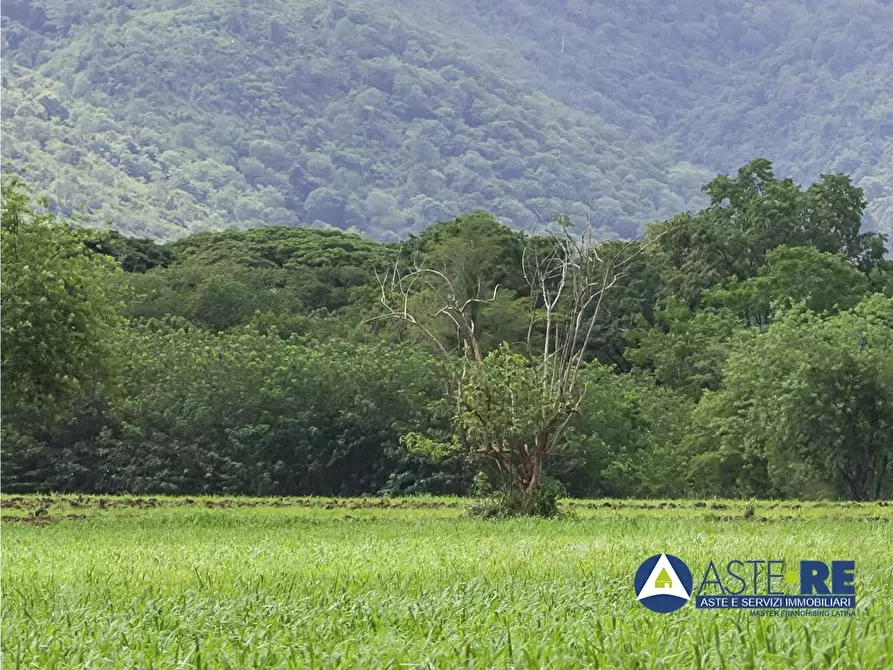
point(325, 583)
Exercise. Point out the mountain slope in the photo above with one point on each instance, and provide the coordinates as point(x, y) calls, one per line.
point(386, 116)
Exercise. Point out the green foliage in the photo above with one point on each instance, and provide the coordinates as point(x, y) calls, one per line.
point(822, 281)
point(633, 299)
point(502, 408)
point(248, 413)
point(274, 277)
point(745, 352)
point(513, 503)
point(59, 322)
point(175, 118)
point(481, 259)
point(171, 120)
point(627, 438)
point(133, 255)
point(686, 350)
point(502, 405)
point(808, 401)
point(752, 214)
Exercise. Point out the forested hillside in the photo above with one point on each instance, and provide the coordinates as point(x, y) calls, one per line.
point(745, 350)
point(383, 117)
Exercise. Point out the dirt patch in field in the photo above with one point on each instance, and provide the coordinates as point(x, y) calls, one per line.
point(40, 517)
point(31, 520)
point(45, 510)
point(625, 505)
point(36, 504)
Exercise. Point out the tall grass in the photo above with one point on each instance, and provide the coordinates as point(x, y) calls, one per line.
point(195, 586)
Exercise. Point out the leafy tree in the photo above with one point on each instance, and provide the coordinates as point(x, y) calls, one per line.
point(59, 322)
point(812, 394)
point(132, 254)
point(222, 280)
point(481, 257)
point(242, 412)
point(685, 350)
point(752, 214)
point(632, 301)
point(823, 281)
point(627, 440)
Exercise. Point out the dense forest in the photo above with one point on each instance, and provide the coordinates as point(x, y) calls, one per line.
point(379, 117)
point(743, 350)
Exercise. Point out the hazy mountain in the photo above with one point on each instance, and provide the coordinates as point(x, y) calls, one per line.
point(166, 116)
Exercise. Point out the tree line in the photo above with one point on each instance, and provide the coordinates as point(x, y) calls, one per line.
point(743, 350)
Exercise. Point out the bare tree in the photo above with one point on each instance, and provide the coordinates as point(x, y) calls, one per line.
point(409, 279)
point(512, 408)
point(569, 277)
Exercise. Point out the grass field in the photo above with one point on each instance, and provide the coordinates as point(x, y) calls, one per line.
point(240, 583)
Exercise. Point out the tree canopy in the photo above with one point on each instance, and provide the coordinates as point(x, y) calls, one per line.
point(59, 318)
point(744, 349)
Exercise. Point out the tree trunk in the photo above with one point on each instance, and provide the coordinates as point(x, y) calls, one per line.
point(534, 477)
point(880, 479)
